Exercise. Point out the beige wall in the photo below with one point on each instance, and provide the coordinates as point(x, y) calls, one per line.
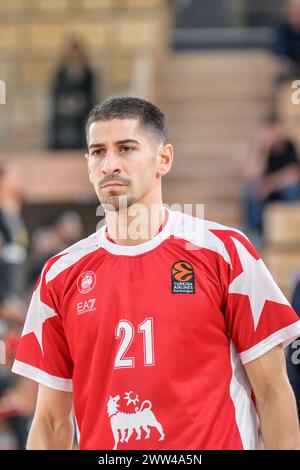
point(32, 35)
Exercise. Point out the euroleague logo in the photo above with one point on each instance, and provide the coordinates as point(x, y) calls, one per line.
point(86, 282)
point(182, 278)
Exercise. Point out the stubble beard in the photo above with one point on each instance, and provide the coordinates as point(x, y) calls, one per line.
point(116, 203)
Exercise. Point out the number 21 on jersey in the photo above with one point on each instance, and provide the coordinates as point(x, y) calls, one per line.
point(125, 331)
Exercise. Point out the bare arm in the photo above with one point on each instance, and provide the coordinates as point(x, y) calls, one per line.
point(275, 401)
point(13, 309)
point(256, 161)
point(52, 427)
point(281, 178)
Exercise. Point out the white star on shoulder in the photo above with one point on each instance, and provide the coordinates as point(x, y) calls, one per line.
point(38, 313)
point(256, 282)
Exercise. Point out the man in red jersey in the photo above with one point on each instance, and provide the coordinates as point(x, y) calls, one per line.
point(165, 331)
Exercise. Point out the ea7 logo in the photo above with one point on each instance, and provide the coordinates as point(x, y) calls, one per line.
point(86, 306)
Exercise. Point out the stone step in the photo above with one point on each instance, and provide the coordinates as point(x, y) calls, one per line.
point(59, 177)
point(206, 168)
point(226, 214)
point(224, 62)
point(279, 216)
point(212, 111)
point(214, 103)
point(213, 94)
point(224, 131)
point(202, 191)
point(284, 265)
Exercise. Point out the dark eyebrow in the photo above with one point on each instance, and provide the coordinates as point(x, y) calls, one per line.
point(127, 141)
point(91, 146)
point(118, 142)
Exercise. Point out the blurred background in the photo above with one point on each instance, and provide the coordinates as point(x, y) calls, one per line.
point(224, 72)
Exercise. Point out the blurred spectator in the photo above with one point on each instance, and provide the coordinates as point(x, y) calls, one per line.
point(69, 228)
point(18, 395)
point(73, 96)
point(48, 241)
point(287, 44)
point(14, 241)
point(293, 353)
point(17, 401)
point(13, 254)
point(272, 173)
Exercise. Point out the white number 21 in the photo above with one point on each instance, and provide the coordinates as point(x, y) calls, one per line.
point(125, 331)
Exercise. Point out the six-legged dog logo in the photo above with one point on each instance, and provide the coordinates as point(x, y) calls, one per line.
point(126, 424)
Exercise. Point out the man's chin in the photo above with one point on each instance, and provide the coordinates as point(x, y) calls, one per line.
point(116, 203)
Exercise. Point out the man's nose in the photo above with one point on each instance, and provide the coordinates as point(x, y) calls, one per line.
point(111, 164)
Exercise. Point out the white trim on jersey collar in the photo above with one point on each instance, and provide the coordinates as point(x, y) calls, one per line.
point(133, 250)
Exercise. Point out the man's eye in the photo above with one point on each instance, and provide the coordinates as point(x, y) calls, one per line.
point(98, 152)
point(126, 149)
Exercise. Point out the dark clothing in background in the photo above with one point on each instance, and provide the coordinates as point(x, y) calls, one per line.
point(5, 274)
point(13, 237)
point(5, 234)
point(73, 98)
point(16, 422)
point(281, 159)
point(296, 298)
point(293, 353)
point(287, 49)
point(287, 43)
point(13, 253)
point(253, 206)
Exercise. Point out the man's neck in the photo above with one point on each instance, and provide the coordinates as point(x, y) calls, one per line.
point(134, 226)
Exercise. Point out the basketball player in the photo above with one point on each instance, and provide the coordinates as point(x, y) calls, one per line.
point(163, 330)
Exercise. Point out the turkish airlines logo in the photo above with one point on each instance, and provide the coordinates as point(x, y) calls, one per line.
point(86, 282)
point(182, 278)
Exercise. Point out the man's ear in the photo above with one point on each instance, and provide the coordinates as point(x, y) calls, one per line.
point(166, 155)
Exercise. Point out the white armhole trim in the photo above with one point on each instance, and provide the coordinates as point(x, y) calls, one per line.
point(285, 336)
point(38, 375)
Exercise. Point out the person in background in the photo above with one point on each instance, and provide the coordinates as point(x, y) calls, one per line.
point(17, 400)
point(14, 243)
point(272, 173)
point(13, 254)
point(287, 45)
point(66, 229)
point(293, 352)
point(73, 94)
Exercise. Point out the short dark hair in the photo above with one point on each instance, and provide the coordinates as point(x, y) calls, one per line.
point(126, 107)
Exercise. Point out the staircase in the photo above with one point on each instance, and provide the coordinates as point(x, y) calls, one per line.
point(214, 104)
